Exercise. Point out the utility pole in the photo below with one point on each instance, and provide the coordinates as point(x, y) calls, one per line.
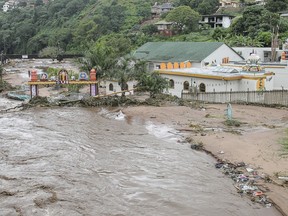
point(274, 43)
point(1, 68)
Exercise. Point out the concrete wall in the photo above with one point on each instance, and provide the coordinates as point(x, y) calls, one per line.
point(222, 52)
point(117, 88)
point(194, 83)
point(226, 22)
point(263, 52)
point(280, 80)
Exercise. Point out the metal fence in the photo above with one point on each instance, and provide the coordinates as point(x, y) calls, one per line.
point(275, 97)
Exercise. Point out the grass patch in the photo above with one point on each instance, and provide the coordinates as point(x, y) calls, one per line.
point(232, 122)
point(284, 143)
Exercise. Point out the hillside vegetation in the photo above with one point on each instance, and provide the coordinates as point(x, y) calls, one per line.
point(76, 26)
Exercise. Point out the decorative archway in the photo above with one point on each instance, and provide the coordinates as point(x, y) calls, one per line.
point(202, 87)
point(126, 87)
point(171, 83)
point(62, 78)
point(111, 87)
point(186, 85)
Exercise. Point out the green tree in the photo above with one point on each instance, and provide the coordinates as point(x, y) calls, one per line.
point(220, 33)
point(150, 29)
point(208, 6)
point(254, 20)
point(276, 5)
point(154, 83)
point(38, 3)
point(124, 71)
point(265, 38)
point(100, 57)
point(184, 18)
point(52, 52)
point(191, 3)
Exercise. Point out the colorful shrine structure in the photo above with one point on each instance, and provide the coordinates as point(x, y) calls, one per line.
point(62, 79)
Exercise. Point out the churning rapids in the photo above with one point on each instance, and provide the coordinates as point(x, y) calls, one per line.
point(88, 161)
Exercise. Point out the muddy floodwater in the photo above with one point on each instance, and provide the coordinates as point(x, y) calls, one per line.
point(86, 161)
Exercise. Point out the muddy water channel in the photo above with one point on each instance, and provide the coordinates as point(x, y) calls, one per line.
point(82, 161)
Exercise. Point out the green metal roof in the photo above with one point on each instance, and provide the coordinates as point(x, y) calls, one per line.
point(176, 51)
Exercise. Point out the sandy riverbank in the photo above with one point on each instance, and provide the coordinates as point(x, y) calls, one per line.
point(255, 142)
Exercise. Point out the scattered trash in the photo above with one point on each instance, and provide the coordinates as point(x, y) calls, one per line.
point(258, 193)
point(283, 178)
point(249, 169)
point(246, 179)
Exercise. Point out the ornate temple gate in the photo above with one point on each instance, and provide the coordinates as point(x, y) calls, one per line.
point(63, 79)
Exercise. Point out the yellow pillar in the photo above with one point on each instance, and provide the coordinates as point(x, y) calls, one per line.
point(176, 65)
point(169, 65)
point(163, 66)
point(188, 65)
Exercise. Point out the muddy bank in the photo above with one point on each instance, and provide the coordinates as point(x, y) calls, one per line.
point(254, 142)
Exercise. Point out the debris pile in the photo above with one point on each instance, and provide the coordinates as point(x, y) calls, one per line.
point(247, 181)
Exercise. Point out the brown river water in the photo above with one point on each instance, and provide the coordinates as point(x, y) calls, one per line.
point(88, 161)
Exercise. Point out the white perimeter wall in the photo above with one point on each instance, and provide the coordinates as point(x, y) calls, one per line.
point(211, 85)
point(215, 85)
point(280, 79)
point(117, 88)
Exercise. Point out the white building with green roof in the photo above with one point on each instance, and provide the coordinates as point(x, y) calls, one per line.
point(186, 66)
point(173, 55)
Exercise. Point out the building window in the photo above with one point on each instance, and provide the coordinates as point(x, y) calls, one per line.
point(186, 85)
point(111, 87)
point(202, 87)
point(171, 83)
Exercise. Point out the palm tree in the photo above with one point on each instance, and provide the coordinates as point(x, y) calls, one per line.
point(101, 58)
point(153, 82)
point(124, 71)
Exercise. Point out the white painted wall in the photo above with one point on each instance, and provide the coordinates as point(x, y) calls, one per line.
point(6, 7)
point(211, 84)
point(246, 51)
point(220, 53)
point(269, 83)
point(280, 80)
point(117, 88)
point(226, 22)
point(247, 85)
point(196, 64)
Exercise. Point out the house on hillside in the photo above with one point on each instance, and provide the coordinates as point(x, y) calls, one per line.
point(284, 14)
point(165, 28)
point(216, 20)
point(158, 10)
point(260, 2)
point(174, 55)
point(229, 3)
point(9, 5)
